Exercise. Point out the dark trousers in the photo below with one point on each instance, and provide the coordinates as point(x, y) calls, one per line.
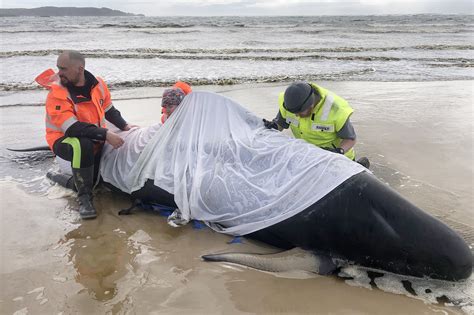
point(82, 152)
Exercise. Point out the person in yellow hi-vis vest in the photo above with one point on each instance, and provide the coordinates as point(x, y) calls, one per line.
point(318, 116)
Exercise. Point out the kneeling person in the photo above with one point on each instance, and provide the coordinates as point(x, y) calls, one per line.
point(77, 105)
point(318, 116)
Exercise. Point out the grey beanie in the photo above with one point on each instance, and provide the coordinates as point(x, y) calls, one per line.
point(299, 96)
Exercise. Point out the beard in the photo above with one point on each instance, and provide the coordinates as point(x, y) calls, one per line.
point(69, 82)
point(64, 81)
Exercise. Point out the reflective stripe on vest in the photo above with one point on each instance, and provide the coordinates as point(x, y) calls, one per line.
point(68, 123)
point(101, 88)
point(51, 126)
point(108, 107)
point(63, 127)
point(327, 106)
point(102, 94)
point(293, 121)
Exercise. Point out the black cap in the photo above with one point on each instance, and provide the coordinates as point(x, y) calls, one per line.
point(299, 96)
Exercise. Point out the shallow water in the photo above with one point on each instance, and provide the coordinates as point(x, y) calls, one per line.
point(139, 264)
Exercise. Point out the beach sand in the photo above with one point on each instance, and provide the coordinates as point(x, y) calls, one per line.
point(418, 135)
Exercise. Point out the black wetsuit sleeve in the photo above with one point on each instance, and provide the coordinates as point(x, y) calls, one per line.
point(113, 115)
point(347, 131)
point(281, 121)
point(86, 130)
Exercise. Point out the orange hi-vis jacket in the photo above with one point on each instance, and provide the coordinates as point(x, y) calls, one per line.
point(62, 112)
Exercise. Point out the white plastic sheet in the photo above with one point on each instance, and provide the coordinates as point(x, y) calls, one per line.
point(226, 169)
point(115, 164)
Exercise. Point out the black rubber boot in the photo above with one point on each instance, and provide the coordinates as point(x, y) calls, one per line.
point(364, 162)
point(84, 180)
point(67, 181)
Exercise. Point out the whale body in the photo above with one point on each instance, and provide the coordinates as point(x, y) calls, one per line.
point(362, 221)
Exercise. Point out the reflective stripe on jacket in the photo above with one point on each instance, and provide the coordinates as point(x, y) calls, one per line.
point(62, 112)
point(326, 119)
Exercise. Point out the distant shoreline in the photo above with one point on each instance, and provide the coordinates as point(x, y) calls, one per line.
point(63, 11)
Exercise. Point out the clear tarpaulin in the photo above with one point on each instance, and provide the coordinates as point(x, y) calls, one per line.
point(225, 168)
point(115, 164)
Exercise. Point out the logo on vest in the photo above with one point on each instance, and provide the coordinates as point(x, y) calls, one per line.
point(101, 102)
point(323, 128)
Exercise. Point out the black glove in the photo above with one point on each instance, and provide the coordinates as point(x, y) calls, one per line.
point(339, 150)
point(270, 124)
point(336, 150)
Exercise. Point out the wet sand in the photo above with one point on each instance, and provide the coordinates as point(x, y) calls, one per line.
point(52, 262)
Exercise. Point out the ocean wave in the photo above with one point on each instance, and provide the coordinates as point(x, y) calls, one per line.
point(146, 53)
point(157, 25)
point(33, 53)
point(229, 57)
point(346, 75)
point(22, 105)
point(162, 31)
point(311, 32)
point(416, 31)
point(33, 31)
point(462, 64)
point(424, 30)
point(364, 74)
point(253, 42)
point(6, 87)
point(99, 54)
point(444, 47)
point(203, 23)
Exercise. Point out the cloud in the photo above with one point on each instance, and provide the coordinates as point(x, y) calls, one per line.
point(263, 7)
point(310, 7)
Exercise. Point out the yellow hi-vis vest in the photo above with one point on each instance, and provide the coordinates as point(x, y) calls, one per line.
point(326, 119)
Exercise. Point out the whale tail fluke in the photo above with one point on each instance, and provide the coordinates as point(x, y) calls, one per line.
point(39, 148)
point(294, 259)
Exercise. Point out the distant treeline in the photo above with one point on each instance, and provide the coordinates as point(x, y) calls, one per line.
point(63, 11)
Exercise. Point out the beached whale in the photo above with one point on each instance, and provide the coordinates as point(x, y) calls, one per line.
point(215, 162)
point(363, 222)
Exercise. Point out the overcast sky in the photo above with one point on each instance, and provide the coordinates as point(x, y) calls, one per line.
point(262, 7)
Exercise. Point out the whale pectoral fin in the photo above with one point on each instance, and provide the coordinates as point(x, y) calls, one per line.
point(293, 259)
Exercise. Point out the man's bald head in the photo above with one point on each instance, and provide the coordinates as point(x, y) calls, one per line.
point(71, 66)
point(76, 56)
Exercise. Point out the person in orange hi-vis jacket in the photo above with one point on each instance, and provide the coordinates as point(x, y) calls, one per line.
point(77, 107)
point(172, 98)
